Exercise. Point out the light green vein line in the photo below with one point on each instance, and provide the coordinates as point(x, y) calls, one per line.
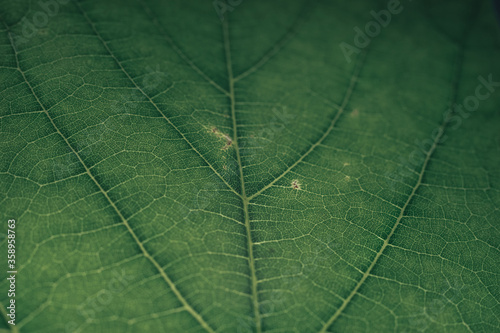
point(174, 46)
point(3, 310)
point(245, 200)
point(146, 254)
point(347, 97)
point(118, 62)
point(387, 240)
point(428, 156)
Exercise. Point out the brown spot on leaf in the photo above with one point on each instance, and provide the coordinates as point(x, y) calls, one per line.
point(295, 184)
point(229, 142)
point(221, 135)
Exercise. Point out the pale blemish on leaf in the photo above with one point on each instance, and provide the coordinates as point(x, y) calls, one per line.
point(296, 184)
point(355, 113)
point(227, 138)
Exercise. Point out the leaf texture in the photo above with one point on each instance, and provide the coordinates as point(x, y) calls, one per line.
point(170, 171)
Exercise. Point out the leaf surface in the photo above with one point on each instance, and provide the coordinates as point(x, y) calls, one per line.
point(172, 172)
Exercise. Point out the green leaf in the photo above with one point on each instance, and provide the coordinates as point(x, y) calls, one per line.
point(251, 166)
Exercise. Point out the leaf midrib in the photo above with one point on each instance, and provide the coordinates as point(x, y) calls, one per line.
point(244, 198)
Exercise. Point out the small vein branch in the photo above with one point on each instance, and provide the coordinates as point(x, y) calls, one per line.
point(118, 62)
point(387, 240)
point(428, 155)
point(339, 113)
point(292, 31)
point(181, 54)
point(146, 254)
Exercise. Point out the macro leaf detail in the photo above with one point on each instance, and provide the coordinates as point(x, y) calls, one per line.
point(250, 166)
